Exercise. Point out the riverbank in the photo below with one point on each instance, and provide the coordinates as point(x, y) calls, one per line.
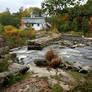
point(42, 79)
point(49, 79)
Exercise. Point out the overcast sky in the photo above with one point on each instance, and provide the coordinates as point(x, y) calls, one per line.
point(14, 5)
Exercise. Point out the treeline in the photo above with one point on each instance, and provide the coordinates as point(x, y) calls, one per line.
point(14, 19)
point(64, 15)
point(69, 19)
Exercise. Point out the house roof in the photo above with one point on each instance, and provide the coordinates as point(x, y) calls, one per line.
point(33, 20)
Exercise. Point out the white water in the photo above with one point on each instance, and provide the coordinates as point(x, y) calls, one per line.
point(79, 54)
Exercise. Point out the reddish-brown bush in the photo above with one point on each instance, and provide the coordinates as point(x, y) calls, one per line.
point(50, 55)
point(55, 62)
point(53, 59)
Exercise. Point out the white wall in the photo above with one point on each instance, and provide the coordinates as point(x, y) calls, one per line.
point(36, 27)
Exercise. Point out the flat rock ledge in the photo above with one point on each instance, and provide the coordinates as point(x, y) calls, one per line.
point(14, 69)
point(55, 76)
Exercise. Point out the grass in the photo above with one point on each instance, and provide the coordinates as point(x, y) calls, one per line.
point(87, 86)
point(56, 88)
point(4, 65)
point(69, 63)
point(76, 74)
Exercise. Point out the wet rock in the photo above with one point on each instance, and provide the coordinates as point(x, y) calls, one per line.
point(76, 66)
point(41, 62)
point(13, 56)
point(85, 69)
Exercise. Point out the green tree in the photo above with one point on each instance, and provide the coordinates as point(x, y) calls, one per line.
point(56, 7)
point(8, 19)
point(85, 25)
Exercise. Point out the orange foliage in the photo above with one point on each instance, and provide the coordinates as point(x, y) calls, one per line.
point(90, 22)
point(10, 31)
point(9, 28)
point(50, 55)
point(65, 17)
point(89, 33)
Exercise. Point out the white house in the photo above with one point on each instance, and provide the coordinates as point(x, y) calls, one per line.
point(37, 23)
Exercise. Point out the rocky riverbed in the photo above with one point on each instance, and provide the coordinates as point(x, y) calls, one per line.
point(78, 54)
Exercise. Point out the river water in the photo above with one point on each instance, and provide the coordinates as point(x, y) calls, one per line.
point(79, 54)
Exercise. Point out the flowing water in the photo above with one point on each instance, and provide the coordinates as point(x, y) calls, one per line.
point(79, 54)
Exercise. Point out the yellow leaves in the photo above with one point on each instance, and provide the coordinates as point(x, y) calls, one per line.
point(0, 28)
point(9, 28)
point(10, 31)
point(31, 33)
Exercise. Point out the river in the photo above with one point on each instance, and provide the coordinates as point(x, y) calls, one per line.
point(79, 54)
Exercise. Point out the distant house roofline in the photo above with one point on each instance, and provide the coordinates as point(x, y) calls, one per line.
point(33, 20)
point(33, 17)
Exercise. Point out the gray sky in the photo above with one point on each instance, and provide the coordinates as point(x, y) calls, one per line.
point(14, 5)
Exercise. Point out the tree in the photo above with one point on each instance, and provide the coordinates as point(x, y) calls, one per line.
point(85, 25)
point(55, 7)
point(8, 19)
point(35, 11)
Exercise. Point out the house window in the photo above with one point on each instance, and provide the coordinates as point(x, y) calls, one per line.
point(38, 24)
point(32, 24)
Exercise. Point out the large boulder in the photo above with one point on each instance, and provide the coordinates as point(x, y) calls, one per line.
point(85, 69)
point(14, 69)
point(18, 68)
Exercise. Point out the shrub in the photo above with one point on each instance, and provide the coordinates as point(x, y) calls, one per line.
point(53, 59)
point(50, 55)
point(4, 65)
point(9, 28)
point(55, 62)
point(1, 28)
point(31, 33)
point(55, 30)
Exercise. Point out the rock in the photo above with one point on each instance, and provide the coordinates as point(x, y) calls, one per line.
point(2, 76)
point(27, 88)
point(14, 69)
point(13, 56)
point(20, 90)
point(41, 62)
point(18, 68)
point(76, 66)
point(85, 69)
